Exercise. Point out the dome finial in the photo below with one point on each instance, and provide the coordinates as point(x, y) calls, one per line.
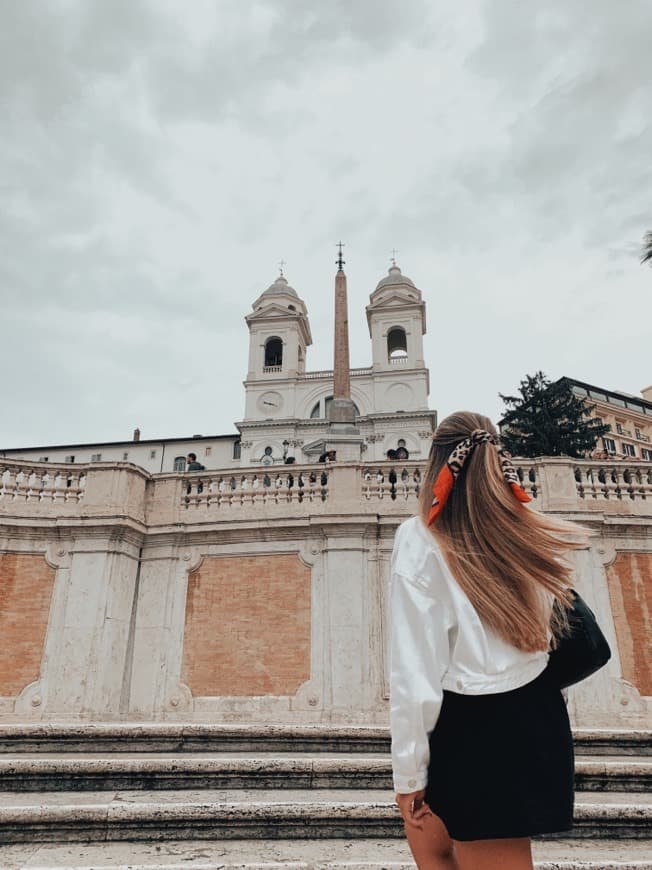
point(281, 264)
point(393, 257)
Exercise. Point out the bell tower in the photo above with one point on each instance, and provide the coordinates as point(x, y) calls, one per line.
point(396, 316)
point(279, 334)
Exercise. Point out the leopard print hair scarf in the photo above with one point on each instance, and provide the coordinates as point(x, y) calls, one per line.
point(454, 464)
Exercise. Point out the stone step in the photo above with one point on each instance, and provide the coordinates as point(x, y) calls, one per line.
point(225, 737)
point(241, 814)
point(100, 772)
point(362, 854)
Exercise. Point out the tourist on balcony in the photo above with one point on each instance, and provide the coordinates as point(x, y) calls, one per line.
point(192, 464)
point(482, 752)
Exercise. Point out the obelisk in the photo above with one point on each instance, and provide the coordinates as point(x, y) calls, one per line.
point(342, 410)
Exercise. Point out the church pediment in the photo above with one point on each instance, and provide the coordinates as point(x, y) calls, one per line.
point(394, 300)
point(273, 310)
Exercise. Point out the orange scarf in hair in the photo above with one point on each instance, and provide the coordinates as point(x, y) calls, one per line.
point(454, 464)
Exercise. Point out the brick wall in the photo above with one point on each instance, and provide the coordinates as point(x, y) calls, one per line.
point(26, 583)
point(630, 590)
point(247, 629)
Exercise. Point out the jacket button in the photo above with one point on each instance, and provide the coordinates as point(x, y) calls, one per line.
point(412, 783)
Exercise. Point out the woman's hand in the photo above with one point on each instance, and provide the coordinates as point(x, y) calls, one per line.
point(413, 808)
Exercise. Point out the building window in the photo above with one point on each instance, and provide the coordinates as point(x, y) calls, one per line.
point(96, 457)
point(44, 459)
point(637, 432)
point(152, 454)
point(208, 451)
point(273, 352)
point(598, 420)
point(629, 449)
point(595, 394)
point(237, 449)
point(615, 401)
point(609, 445)
point(125, 456)
point(619, 428)
point(646, 454)
point(179, 463)
point(396, 343)
point(70, 459)
point(267, 456)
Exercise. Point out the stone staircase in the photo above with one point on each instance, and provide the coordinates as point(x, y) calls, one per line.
point(226, 796)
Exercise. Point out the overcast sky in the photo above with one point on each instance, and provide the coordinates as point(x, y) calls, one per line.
point(159, 158)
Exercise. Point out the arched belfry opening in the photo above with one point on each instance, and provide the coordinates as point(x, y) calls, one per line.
point(273, 352)
point(396, 343)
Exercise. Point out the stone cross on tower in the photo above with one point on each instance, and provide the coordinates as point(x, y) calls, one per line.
point(342, 409)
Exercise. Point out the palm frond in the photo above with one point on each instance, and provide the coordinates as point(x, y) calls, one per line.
point(646, 252)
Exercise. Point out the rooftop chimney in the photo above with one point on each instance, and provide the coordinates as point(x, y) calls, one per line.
point(136, 434)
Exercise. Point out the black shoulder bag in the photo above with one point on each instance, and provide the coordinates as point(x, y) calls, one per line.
point(583, 650)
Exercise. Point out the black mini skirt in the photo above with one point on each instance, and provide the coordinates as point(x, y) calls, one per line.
point(501, 765)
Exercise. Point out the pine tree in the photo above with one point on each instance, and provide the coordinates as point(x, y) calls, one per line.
point(548, 419)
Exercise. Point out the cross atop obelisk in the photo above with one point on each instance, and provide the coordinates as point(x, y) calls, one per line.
point(342, 409)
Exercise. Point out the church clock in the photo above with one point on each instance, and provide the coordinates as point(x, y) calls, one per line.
point(270, 403)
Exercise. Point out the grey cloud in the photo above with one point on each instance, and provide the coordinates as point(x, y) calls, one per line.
point(158, 158)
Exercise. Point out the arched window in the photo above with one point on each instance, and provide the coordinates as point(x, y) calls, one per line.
point(396, 343)
point(179, 463)
point(322, 406)
point(237, 449)
point(273, 352)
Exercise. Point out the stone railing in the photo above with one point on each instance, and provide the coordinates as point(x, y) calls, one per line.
point(124, 490)
point(391, 481)
point(40, 482)
point(614, 481)
point(328, 373)
point(281, 485)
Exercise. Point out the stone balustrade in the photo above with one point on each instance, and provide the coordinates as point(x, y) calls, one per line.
point(553, 483)
point(281, 485)
point(328, 373)
point(40, 482)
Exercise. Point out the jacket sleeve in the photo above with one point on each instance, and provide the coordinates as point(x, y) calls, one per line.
point(419, 653)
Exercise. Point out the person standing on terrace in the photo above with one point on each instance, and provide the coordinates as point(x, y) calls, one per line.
point(482, 752)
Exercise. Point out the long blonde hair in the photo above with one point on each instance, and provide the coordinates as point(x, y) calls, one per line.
point(504, 556)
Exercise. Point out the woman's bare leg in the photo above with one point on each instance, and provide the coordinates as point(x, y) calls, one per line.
point(431, 846)
point(493, 854)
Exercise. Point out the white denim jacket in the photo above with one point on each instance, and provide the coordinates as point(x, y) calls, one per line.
point(438, 642)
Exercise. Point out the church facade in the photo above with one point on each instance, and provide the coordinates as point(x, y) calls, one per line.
point(287, 406)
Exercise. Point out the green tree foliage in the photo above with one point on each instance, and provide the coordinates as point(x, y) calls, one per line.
point(548, 419)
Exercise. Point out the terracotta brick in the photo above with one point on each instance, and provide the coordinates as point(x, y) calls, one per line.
point(630, 589)
point(26, 583)
point(247, 629)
